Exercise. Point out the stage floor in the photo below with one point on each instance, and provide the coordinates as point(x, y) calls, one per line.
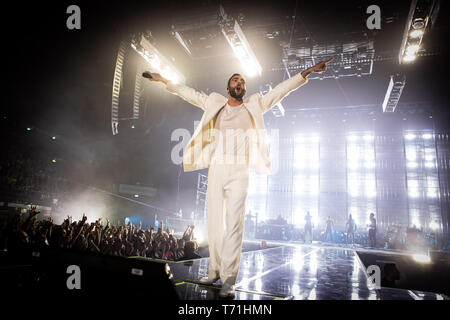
point(292, 271)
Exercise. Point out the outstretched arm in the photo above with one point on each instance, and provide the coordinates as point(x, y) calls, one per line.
point(284, 88)
point(190, 95)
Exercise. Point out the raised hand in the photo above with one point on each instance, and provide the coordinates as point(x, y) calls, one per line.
point(156, 77)
point(321, 66)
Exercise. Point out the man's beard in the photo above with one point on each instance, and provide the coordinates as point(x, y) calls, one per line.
point(235, 95)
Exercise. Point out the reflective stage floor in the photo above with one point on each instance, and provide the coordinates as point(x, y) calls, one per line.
point(292, 271)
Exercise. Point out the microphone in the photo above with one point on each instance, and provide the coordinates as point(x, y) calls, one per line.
point(147, 75)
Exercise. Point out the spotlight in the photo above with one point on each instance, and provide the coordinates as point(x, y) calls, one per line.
point(53, 160)
point(422, 258)
point(412, 165)
point(410, 136)
point(434, 225)
point(199, 236)
point(429, 165)
point(53, 138)
point(409, 58)
point(136, 196)
point(418, 24)
point(416, 33)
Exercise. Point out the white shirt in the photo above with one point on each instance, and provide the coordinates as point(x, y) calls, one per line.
point(233, 143)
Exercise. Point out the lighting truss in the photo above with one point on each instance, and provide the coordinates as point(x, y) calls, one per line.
point(116, 88)
point(180, 40)
point(238, 42)
point(157, 62)
point(419, 15)
point(200, 201)
point(350, 58)
point(393, 93)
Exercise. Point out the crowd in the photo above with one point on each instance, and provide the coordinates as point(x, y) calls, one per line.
point(106, 239)
point(20, 173)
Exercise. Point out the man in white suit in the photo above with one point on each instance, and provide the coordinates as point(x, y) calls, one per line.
point(229, 141)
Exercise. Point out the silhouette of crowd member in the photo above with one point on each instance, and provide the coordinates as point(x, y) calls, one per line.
point(308, 227)
point(329, 229)
point(351, 228)
point(190, 250)
point(372, 230)
point(391, 274)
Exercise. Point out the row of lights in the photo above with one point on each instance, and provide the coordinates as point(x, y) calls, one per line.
point(53, 138)
point(414, 40)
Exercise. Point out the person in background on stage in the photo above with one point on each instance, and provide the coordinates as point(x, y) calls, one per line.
point(308, 227)
point(329, 229)
point(372, 230)
point(351, 228)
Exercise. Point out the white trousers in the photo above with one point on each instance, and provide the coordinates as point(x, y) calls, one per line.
point(225, 206)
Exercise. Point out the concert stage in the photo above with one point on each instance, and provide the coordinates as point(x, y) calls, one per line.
point(292, 272)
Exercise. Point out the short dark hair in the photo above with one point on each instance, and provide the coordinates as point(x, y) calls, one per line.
point(234, 74)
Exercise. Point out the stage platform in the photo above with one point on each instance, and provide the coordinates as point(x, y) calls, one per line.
point(292, 272)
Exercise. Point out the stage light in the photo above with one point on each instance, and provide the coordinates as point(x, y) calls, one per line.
point(53, 160)
point(412, 165)
point(136, 196)
point(53, 138)
point(429, 164)
point(422, 258)
point(369, 156)
point(371, 192)
point(353, 188)
point(432, 194)
point(416, 33)
point(353, 165)
point(409, 58)
point(410, 154)
point(413, 193)
point(299, 139)
point(314, 165)
point(434, 225)
point(410, 136)
point(370, 165)
point(240, 46)
point(394, 91)
point(412, 49)
point(180, 40)
point(198, 234)
point(28, 129)
point(420, 13)
point(158, 63)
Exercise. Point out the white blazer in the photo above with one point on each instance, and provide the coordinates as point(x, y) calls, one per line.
point(200, 148)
